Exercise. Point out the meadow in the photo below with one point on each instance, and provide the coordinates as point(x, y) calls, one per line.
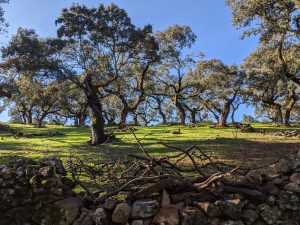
point(228, 144)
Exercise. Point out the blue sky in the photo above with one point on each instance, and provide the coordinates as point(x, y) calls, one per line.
point(209, 19)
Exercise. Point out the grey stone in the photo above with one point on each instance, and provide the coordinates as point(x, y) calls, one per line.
point(269, 214)
point(144, 209)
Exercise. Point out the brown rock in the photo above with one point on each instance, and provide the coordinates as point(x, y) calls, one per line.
point(210, 209)
point(109, 205)
point(292, 187)
point(295, 178)
point(137, 222)
point(121, 213)
point(253, 177)
point(167, 215)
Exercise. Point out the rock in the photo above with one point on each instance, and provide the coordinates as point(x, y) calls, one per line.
point(214, 221)
point(109, 205)
point(192, 216)
point(54, 161)
point(168, 215)
point(295, 178)
point(137, 222)
point(31, 170)
point(121, 213)
point(292, 187)
point(231, 222)
point(269, 214)
point(180, 205)
point(51, 182)
point(249, 216)
point(47, 171)
point(142, 209)
point(98, 215)
point(288, 163)
point(210, 209)
point(71, 207)
point(56, 191)
point(20, 172)
point(84, 219)
point(6, 173)
point(288, 200)
point(253, 177)
point(230, 208)
point(165, 199)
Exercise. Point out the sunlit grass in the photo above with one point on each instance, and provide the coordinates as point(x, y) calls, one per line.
point(228, 144)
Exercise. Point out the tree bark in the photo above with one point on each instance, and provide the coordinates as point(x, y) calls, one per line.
point(288, 111)
point(160, 111)
point(124, 113)
point(224, 114)
point(95, 105)
point(180, 110)
point(279, 114)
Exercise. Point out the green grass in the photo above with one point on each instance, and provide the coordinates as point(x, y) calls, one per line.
point(228, 144)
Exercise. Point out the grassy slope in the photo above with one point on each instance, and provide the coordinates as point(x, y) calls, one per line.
point(253, 148)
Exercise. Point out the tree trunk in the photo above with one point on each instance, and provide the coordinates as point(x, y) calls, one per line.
point(29, 117)
point(81, 120)
point(288, 112)
point(193, 116)
point(135, 120)
point(160, 112)
point(181, 112)
point(124, 113)
point(95, 105)
point(40, 121)
point(224, 114)
point(279, 114)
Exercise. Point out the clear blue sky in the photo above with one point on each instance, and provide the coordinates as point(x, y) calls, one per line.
point(209, 19)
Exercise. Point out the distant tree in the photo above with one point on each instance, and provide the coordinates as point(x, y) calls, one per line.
point(74, 106)
point(29, 65)
point(248, 118)
point(218, 87)
point(173, 43)
point(3, 23)
point(103, 45)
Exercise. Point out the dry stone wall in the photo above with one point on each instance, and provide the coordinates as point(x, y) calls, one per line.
point(41, 194)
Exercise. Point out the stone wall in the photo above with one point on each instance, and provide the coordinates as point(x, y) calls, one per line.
point(42, 194)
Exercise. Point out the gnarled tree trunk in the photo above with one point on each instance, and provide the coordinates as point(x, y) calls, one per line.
point(95, 105)
point(224, 114)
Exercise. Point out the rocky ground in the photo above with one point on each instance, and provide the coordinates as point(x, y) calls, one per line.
point(41, 194)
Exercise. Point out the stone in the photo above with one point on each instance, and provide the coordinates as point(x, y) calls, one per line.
point(230, 208)
point(71, 207)
point(253, 177)
point(98, 215)
point(269, 214)
point(168, 215)
point(249, 216)
point(295, 178)
point(287, 200)
point(47, 171)
point(231, 222)
point(192, 216)
point(56, 191)
point(214, 221)
point(31, 170)
point(142, 209)
point(210, 209)
point(121, 213)
point(109, 205)
point(54, 161)
point(84, 219)
point(287, 163)
point(292, 187)
point(20, 172)
point(6, 173)
point(137, 222)
point(48, 214)
point(165, 199)
point(180, 205)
